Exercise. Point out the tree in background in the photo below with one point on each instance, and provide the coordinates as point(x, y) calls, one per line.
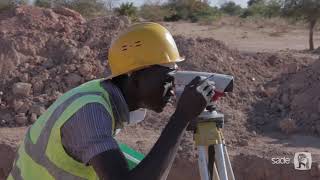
point(252, 2)
point(110, 4)
point(231, 8)
point(308, 10)
point(263, 8)
point(273, 8)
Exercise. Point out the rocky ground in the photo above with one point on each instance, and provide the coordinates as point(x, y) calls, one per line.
point(274, 110)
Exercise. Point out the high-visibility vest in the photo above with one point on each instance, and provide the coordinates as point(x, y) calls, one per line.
point(42, 156)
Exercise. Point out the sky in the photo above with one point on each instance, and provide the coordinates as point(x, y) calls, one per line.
point(242, 3)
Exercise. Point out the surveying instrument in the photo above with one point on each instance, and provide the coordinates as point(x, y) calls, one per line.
point(213, 159)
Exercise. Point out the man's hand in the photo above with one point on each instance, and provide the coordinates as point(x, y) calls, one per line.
point(195, 97)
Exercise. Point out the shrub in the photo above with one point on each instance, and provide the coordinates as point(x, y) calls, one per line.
point(5, 4)
point(154, 12)
point(231, 8)
point(173, 17)
point(273, 8)
point(127, 9)
point(191, 10)
point(267, 9)
point(43, 3)
point(87, 8)
point(8, 4)
point(205, 15)
point(252, 2)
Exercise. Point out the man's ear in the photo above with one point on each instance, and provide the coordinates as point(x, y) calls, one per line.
point(120, 80)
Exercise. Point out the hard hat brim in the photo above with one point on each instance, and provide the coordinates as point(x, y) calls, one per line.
point(173, 62)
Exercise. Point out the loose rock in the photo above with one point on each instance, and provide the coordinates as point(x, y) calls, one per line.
point(21, 119)
point(33, 118)
point(21, 88)
point(73, 79)
point(38, 110)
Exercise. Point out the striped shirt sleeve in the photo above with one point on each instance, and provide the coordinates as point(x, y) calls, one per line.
point(88, 133)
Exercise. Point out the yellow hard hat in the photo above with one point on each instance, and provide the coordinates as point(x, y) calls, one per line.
point(140, 46)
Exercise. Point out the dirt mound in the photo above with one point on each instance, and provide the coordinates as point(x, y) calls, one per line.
point(290, 102)
point(302, 99)
point(278, 80)
point(45, 52)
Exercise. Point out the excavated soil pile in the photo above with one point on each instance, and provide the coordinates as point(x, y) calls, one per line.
point(294, 102)
point(45, 52)
point(287, 83)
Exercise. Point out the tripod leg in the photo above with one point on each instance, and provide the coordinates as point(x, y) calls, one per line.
point(215, 175)
point(228, 164)
point(211, 159)
point(220, 161)
point(211, 164)
point(203, 164)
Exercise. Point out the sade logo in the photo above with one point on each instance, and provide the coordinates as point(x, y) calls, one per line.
point(280, 160)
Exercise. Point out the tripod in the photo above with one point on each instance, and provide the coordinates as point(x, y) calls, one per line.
point(213, 160)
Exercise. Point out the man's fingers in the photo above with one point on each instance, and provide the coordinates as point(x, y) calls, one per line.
point(206, 90)
point(208, 94)
point(209, 89)
point(194, 82)
point(211, 93)
point(211, 83)
point(205, 85)
point(202, 86)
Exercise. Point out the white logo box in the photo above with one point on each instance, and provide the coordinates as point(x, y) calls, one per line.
point(302, 161)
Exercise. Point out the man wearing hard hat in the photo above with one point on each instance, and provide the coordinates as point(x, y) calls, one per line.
point(74, 138)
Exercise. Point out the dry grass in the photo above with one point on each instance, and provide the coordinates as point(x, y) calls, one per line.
point(279, 31)
point(257, 22)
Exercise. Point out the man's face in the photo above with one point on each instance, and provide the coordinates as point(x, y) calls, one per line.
point(155, 87)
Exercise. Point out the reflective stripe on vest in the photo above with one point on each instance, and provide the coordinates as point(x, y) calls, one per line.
point(42, 156)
